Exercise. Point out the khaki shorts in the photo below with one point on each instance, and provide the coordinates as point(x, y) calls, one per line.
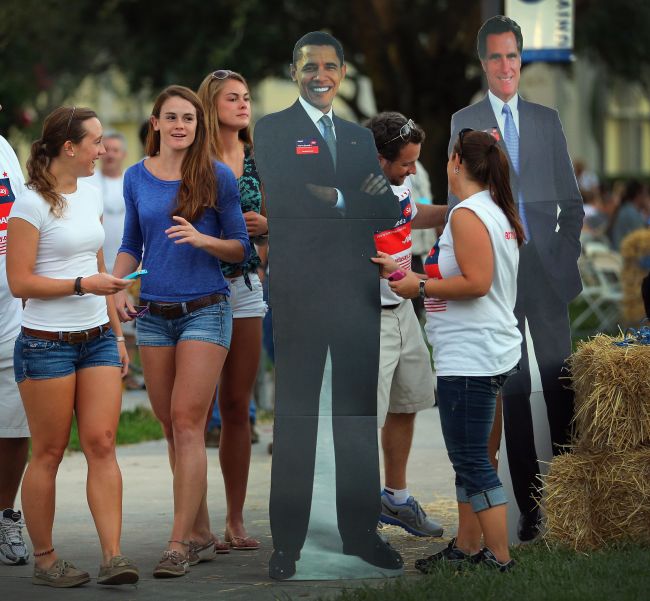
point(405, 376)
point(13, 422)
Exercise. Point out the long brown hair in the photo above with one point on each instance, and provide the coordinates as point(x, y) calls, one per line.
point(486, 164)
point(208, 92)
point(198, 188)
point(62, 124)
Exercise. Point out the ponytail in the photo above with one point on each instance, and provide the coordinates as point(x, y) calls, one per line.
point(498, 175)
point(41, 180)
point(486, 164)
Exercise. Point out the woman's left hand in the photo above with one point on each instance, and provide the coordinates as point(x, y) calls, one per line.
point(185, 233)
point(124, 358)
point(256, 224)
point(408, 286)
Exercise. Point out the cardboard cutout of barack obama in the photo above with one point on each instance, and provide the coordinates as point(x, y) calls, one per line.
point(325, 197)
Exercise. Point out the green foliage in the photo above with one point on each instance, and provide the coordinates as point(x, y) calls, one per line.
point(137, 425)
point(540, 574)
point(419, 54)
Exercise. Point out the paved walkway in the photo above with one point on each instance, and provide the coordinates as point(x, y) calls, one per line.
point(239, 575)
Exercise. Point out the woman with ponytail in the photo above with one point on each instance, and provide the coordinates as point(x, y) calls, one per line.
point(182, 219)
point(70, 353)
point(469, 292)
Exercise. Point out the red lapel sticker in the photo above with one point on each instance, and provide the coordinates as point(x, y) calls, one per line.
point(307, 146)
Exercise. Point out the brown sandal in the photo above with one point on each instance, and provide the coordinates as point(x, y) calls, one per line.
point(241, 543)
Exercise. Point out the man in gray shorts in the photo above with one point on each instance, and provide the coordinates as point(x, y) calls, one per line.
point(405, 383)
point(14, 434)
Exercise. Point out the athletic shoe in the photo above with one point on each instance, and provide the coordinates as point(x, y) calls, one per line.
point(450, 555)
point(120, 570)
point(409, 516)
point(489, 559)
point(61, 574)
point(213, 438)
point(12, 546)
point(172, 565)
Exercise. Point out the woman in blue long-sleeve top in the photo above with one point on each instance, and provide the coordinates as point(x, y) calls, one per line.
point(183, 217)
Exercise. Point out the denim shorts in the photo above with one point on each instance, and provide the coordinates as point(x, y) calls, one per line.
point(467, 406)
point(38, 359)
point(208, 324)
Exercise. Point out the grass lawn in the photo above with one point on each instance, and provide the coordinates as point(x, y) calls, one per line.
point(621, 574)
point(136, 425)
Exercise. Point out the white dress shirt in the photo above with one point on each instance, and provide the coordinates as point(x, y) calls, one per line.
point(497, 107)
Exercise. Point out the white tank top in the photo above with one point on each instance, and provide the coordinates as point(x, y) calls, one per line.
point(477, 337)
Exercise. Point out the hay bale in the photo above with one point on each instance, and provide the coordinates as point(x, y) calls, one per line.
point(594, 500)
point(635, 246)
point(612, 394)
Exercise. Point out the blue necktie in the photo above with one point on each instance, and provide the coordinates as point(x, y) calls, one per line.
point(328, 135)
point(511, 139)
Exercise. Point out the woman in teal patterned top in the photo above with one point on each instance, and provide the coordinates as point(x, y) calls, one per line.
point(226, 98)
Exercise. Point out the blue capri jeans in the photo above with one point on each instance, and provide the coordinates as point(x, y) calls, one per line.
point(467, 406)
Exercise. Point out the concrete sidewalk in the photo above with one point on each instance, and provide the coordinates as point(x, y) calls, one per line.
point(239, 575)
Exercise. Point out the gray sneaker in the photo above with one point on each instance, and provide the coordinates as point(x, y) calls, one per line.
point(12, 545)
point(61, 574)
point(409, 516)
point(172, 565)
point(120, 570)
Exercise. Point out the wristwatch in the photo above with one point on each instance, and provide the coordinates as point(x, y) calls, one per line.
point(423, 293)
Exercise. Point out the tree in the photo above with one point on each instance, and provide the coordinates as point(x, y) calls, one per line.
point(419, 54)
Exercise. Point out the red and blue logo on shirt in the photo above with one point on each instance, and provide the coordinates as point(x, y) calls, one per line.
point(7, 198)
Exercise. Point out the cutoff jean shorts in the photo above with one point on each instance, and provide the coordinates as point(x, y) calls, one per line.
point(209, 324)
point(39, 359)
point(467, 406)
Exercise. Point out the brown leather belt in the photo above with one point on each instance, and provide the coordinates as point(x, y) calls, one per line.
point(176, 310)
point(71, 337)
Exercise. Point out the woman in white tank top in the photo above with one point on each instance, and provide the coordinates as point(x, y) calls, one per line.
point(469, 290)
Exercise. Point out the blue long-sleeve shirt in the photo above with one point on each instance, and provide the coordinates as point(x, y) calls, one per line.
point(178, 272)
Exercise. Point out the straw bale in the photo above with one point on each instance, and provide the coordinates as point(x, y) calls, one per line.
point(594, 500)
point(612, 394)
point(634, 247)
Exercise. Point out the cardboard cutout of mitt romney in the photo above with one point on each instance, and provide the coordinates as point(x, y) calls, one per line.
point(325, 197)
point(550, 208)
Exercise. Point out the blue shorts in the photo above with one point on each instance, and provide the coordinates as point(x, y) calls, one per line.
point(208, 324)
point(38, 359)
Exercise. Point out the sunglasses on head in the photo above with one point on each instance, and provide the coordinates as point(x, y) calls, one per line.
point(404, 133)
point(67, 129)
point(222, 73)
point(461, 135)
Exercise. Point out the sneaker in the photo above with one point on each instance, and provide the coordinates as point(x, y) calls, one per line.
point(61, 574)
point(255, 435)
point(12, 546)
point(409, 516)
point(172, 565)
point(451, 555)
point(213, 438)
point(120, 570)
point(488, 558)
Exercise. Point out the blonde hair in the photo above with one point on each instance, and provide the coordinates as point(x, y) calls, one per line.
point(208, 92)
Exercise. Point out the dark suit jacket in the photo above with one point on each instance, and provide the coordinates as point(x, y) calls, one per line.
point(315, 249)
point(547, 182)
